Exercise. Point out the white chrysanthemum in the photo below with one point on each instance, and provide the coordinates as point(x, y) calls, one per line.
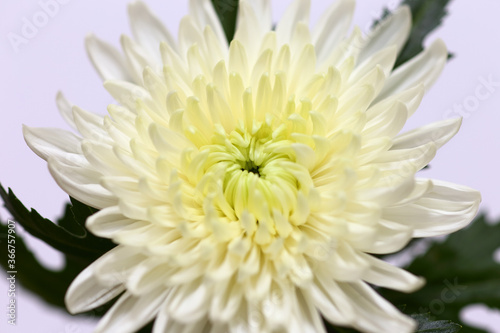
point(246, 185)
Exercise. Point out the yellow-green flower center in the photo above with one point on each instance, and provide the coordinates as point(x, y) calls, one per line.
point(251, 176)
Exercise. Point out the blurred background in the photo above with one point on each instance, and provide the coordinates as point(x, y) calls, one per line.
point(52, 58)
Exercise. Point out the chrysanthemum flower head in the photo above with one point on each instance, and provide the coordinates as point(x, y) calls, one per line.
point(247, 184)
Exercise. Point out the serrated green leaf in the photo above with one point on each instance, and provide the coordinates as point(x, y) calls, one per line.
point(68, 235)
point(49, 285)
point(45, 283)
point(427, 15)
point(227, 11)
point(459, 271)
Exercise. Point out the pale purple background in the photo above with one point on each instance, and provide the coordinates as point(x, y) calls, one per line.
point(55, 59)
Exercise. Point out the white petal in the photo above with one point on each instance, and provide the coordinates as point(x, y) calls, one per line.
point(90, 125)
point(130, 313)
point(388, 276)
point(222, 266)
point(385, 58)
point(374, 313)
point(411, 97)
point(127, 189)
point(189, 34)
point(297, 12)
point(107, 60)
point(176, 66)
point(215, 51)
point(422, 186)
point(121, 139)
point(303, 65)
point(86, 293)
point(53, 142)
point(423, 68)
point(388, 122)
point(149, 275)
point(115, 266)
point(217, 327)
point(332, 27)
point(445, 209)
point(238, 60)
point(403, 162)
point(331, 301)
point(108, 222)
point(82, 184)
point(166, 324)
point(358, 97)
point(439, 133)
point(277, 305)
point(345, 264)
point(65, 109)
point(226, 300)
point(371, 149)
point(190, 301)
point(127, 93)
point(262, 10)
point(393, 31)
point(103, 159)
point(374, 79)
point(137, 58)
point(305, 318)
point(389, 191)
point(346, 52)
point(248, 32)
point(301, 37)
point(391, 237)
point(147, 29)
point(137, 212)
point(204, 13)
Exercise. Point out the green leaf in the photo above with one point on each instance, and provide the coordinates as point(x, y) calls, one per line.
point(427, 15)
point(459, 271)
point(47, 284)
point(69, 236)
point(227, 11)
